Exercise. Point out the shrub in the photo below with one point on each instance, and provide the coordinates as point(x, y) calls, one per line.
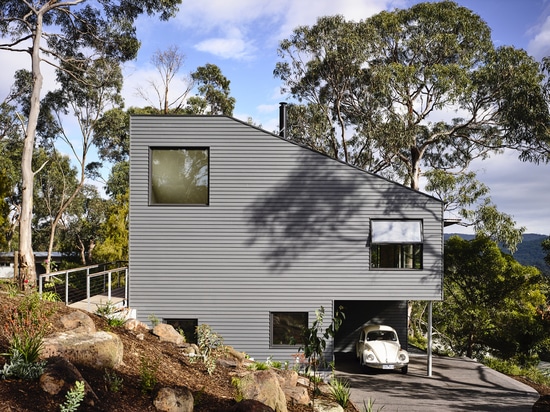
point(341, 391)
point(113, 382)
point(210, 345)
point(74, 397)
point(148, 375)
point(17, 367)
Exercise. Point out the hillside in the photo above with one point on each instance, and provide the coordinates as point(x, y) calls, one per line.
point(167, 362)
point(529, 251)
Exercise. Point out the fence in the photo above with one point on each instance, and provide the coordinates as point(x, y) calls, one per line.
point(82, 283)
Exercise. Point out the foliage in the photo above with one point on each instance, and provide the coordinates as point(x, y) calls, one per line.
point(110, 311)
point(510, 367)
point(113, 382)
point(114, 232)
point(154, 319)
point(74, 397)
point(376, 94)
point(546, 248)
point(213, 88)
point(341, 391)
point(492, 303)
point(72, 37)
point(237, 384)
point(368, 406)
point(18, 367)
point(210, 346)
point(148, 375)
point(315, 339)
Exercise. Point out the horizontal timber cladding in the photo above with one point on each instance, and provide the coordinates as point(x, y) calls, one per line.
point(285, 229)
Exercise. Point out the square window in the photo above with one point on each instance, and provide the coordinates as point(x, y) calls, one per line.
point(396, 244)
point(187, 326)
point(287, 328)
point(179, 176)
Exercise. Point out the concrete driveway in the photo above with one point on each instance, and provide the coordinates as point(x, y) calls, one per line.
point(456, 384)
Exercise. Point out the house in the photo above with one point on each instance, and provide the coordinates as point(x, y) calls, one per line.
point(240, 229)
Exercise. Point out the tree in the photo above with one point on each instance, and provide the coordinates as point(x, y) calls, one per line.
point(492, 303)
point(168, 63)
point(97, 89)
point(79, 30)
point(381, 90)
point(546, 248)
point(213, 88)
point(114, 232)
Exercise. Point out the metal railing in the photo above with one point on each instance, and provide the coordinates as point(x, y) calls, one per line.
point(82, 283)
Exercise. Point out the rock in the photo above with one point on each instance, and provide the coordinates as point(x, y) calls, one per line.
point(264, 386)
point(98, 350)
point(190, 349)
point(60, 375)
point(250, 405)
point(174, 400)
point(322, 405)
point(135, 325)
point(167, 333)
point(298, 395)
point(234, 354)
point(78, 322)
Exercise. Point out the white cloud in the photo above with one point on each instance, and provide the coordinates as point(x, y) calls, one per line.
point(13, 61)
point(539, 45)
point(263, 19)
point(231, 46)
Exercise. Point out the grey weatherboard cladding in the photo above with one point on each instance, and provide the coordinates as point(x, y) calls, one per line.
point(286, 229)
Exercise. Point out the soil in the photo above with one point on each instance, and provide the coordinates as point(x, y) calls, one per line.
point(174, 369)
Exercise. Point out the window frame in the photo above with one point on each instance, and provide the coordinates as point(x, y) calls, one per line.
point(177, 148)
point(397, 246)
point(272, 326)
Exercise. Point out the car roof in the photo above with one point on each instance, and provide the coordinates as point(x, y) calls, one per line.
point(370, 328)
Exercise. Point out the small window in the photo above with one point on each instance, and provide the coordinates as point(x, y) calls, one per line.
point(186, 326)
point(396, 244)
point(287, 328)
point(179, 176)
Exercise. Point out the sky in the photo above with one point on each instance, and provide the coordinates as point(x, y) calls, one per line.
point(241, 37)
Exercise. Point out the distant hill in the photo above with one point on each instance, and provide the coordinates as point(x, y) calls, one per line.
point(529, 251)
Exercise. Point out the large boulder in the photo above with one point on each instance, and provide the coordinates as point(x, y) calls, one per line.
point(98, 350)
point(78, 322)
point(60, 375)
point(264, 386)
point(167, 333)
point(174, 400)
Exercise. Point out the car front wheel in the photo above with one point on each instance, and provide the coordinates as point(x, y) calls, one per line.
point(405, 369)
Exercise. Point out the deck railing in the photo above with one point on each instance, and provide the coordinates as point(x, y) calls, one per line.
point(83, 283)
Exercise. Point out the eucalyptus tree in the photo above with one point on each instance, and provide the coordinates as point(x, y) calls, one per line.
point(492, 303)
point(413, 90)
point(213, 92)
point(57, 32)
point(85, 99)
point(168, 63)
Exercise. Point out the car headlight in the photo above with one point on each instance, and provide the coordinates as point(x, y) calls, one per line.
point(370, 357)
point(402, 357)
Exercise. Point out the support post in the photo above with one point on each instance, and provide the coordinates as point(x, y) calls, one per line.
point(430, 304)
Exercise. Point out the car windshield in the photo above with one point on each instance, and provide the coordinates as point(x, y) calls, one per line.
point(381, 335)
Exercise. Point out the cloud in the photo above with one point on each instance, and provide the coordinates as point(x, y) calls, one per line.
point(226, 28)
point(230, 46)
point(539, 45)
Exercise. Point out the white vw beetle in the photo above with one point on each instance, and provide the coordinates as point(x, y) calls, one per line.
point(378, 347)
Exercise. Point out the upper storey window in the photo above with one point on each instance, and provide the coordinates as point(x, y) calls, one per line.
point(179, 176)
point(396, 244)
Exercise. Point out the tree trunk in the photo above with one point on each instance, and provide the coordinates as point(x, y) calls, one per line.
point(27, 268)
